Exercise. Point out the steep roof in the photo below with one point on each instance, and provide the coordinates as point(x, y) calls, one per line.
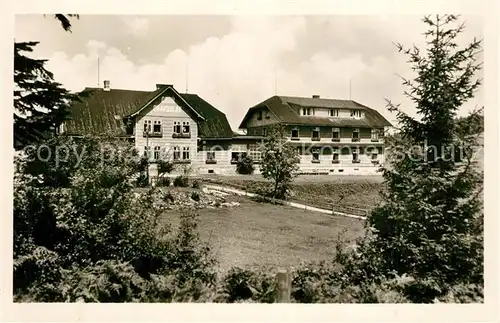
point(287, 111)
point(97, 112)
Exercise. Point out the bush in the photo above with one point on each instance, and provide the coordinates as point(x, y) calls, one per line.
point(163, 181)
point(196, 184)
point(242, 285)
point(245, 166)
point(181, 181)
point(195, 196)
point(96, 239)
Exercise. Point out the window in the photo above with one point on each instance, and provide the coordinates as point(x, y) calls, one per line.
point(295, 134)
point(355, 155)
point(211, 157)
point(315, 134)
point(315, 155)
point(147, 152)
point(259, 115)
point(177, 127)
point(185, 127)
point(375, 133)
point(235, 156)
point(336, 134)
point(185, 153)
point(307, 111)
point(356, 113)
point(355, 134)
point(334, 112)
point(255, 153)
point(267, 115)
point(335, 155)
point(156, 155)
point(177, 153)
point(147, 126)
point(157, 126)
point(264, 131)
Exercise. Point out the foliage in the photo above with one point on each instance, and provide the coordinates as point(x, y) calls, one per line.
point(245, 166)
point(196, 184)
point(163, 181)
point(430, 224)
point(165, 167)
point(242, 285)
point(90, 236)
point(195, 196)
point(279, 161)
point(40, 103)
point(181, 181)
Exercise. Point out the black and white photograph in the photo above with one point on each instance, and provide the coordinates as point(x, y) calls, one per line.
point(231, 158)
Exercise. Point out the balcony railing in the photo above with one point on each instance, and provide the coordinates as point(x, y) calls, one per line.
point(154, 134)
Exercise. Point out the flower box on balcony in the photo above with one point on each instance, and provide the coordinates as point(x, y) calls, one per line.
point(315, 138)
point(315, 161)
point(376, 162)
point(181, 135)
point(356, 161)
point(211, 161)
point(295, 138)
point(374, 140)
point(336, 139)
point(335, 161)
point(355, 139)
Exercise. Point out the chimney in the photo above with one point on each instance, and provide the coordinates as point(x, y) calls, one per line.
point(107, 85)
point(315, 96)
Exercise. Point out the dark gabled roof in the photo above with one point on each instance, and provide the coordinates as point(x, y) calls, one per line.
point(287, 111)
point(99, 109)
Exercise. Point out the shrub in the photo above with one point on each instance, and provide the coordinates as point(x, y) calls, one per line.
point(245, 166)
point(195, 196)
point(196, 184)
point(142, 181)
point(164, 181)
point(181, 181)
point(97, 230)
point(242, 285)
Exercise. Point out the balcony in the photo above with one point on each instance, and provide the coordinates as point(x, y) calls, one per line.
point(181, 135)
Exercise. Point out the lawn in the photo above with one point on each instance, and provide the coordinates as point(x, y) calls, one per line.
point(351, 194)
point(270, 236)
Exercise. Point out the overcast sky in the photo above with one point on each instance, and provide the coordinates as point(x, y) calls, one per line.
point(234, 62)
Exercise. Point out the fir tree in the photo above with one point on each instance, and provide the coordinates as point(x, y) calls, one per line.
point(40, 103)
point(430, 224)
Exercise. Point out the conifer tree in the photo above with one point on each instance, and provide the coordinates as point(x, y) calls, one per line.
point(40, 103)
point(430, 224)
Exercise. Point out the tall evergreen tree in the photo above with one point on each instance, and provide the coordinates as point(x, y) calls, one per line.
point(40, 103)
point(430, 224)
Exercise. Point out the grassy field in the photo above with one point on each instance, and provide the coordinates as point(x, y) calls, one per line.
point(269, 236)
point(351, 194)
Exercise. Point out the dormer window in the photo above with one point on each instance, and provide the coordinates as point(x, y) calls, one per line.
point(307, 111)
point(355, 113)
point(334, 112)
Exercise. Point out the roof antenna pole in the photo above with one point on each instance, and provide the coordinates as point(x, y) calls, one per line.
point(350, 88)
point(187, 75)
point(98, 85)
